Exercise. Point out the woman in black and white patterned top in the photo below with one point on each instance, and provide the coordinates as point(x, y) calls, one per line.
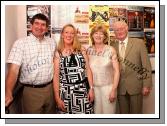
point(71, 71)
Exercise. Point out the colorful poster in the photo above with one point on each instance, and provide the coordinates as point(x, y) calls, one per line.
point(149, 17)
point(98, 14)
point(135, 18)
point(149, 38)
point(73, 14)
point(117, 13)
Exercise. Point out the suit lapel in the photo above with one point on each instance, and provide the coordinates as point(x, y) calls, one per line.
point(128, 48)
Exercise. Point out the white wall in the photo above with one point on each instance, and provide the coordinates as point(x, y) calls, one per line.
point(15, 27)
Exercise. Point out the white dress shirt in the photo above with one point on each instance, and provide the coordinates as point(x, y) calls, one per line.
point(125, 44)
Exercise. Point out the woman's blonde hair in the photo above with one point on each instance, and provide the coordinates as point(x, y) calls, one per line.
point(102, 29)
point(76, 44)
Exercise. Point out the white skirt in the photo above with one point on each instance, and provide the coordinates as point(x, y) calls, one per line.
point(102, 105)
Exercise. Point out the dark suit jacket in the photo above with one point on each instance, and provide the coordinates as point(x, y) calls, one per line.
point(137, 72)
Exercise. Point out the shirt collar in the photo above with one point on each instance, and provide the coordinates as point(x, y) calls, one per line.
point(35, 38)
point(125, 40)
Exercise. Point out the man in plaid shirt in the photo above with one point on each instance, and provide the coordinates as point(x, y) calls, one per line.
point(33, 57)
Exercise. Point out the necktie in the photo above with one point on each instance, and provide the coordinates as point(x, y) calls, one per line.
point(122, 51)
point(122, 54)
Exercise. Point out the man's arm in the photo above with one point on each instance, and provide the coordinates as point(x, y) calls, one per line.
point(147, 71)
point(10, 82)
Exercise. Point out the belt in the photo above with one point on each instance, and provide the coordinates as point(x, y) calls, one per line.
point(77, 82)
point(37, 86)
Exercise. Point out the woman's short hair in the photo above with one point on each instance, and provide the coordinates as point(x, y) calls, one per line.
point(101, 28)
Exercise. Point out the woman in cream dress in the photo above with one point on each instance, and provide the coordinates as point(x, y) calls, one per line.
point(105, 68)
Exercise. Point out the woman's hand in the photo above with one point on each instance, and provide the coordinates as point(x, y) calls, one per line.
point(60, 105)
point(112, 96)
point(91, 95)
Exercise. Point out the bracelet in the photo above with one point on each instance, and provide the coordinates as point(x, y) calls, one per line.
point(91, 87)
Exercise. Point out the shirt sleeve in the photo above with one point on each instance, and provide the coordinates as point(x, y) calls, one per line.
point(16, 53)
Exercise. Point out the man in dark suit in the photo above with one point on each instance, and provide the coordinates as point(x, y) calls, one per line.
point(135, 68)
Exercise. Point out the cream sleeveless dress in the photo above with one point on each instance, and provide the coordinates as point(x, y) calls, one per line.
point(101, 66)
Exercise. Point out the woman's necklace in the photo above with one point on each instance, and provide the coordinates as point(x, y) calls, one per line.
point(99, 50)
point(68, 51)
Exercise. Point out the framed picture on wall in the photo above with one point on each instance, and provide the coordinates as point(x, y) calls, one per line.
point(34, 9)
